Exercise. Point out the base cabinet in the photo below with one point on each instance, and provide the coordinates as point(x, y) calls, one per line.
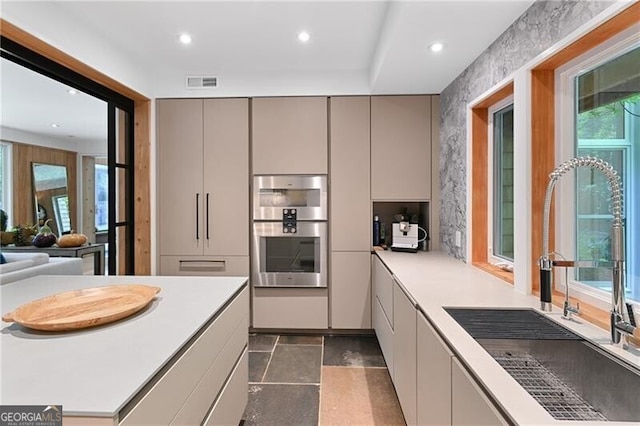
point(231, 404)
point(405, 338)
point(382, 283)
point(433, 387)
point(434, 376)
point(186, 391)
point(382, 309)
point(351, 290)
point(384, 333)
point(469, 405)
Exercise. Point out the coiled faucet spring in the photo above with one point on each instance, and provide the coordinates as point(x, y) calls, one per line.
point(620, 319)
point(594, 163)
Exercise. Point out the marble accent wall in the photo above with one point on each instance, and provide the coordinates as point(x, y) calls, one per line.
point(541, 26)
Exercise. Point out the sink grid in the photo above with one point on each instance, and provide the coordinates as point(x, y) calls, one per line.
point(547, 389)
point(518, 324)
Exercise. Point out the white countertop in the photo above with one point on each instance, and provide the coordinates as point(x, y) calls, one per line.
point(435, 280)
point(96, 371)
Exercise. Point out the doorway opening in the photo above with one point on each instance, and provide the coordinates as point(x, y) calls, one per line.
point(119, 152)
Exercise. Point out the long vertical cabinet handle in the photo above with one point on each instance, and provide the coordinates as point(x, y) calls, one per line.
point(197, 215)
point(207, 216)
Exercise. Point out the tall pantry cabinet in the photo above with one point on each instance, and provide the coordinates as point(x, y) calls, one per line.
point(203, 186)
point(350, 298)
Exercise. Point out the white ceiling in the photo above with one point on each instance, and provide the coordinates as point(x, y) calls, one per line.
point(31, 102)
point(356, 47)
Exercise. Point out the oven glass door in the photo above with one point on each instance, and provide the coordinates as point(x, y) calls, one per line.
point(291, 254)
point(290, 260)
point(306, 194)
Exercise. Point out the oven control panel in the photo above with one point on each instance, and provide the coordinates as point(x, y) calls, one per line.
point(289, 221)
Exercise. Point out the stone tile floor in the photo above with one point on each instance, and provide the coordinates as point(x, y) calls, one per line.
point(319, 380)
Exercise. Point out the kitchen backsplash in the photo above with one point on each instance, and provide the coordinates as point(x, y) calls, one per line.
point(542, 25)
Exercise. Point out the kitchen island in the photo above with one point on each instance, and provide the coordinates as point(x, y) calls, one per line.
point(458, 382)
point(180, 360)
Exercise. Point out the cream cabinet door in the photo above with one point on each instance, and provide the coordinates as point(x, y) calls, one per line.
point(404, 338)
point(180, 194)
point(401, 148)
point(289, 135)
point(469, 404)
point(350, 173)
point(351, 290)
point(290, 308)
point(226, 177)
point(434, 376)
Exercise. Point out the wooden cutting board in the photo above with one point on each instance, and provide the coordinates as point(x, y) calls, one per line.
point(83, 308)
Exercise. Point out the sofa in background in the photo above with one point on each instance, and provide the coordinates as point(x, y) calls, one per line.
point(26, 265)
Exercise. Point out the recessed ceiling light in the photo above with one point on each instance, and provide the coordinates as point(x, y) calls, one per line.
point(303, 36)
point(436, 47)
point(72, 91)
point(184, 38)
point(56, 125)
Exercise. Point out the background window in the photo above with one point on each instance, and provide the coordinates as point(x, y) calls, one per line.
point(608, 127)
point(502, 244)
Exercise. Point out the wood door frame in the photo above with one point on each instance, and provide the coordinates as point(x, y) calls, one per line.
point(142, 135)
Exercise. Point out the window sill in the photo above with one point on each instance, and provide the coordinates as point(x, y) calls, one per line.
point(495, 271)
point(592, 314)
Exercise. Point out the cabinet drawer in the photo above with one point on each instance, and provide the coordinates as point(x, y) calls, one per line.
point(384, 332)
point(300, 308)
point(231, 403)
point(162, 399)
point(205, 265)
point(199, 402)
point(383, 288)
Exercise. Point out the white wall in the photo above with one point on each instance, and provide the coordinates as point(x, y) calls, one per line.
point(171, 84)
point(82, 147)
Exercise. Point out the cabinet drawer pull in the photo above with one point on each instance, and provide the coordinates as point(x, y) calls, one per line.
point(203, 265)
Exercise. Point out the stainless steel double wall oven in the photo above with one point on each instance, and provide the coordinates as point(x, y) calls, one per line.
point(289, 231)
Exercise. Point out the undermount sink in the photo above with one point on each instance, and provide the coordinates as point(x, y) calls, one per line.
point(572, 378)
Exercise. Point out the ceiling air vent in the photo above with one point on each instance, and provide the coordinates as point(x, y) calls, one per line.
point(194, 82)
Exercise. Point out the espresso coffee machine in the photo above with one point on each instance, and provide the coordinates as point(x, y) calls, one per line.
point(404, 235)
